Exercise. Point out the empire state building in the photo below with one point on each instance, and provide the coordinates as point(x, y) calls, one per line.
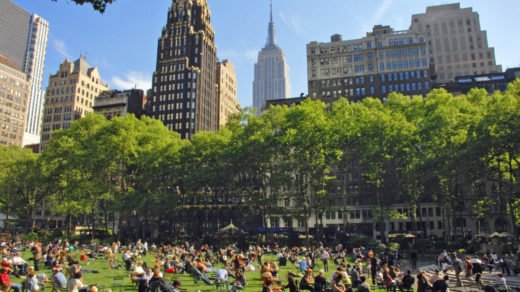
point(271, 72)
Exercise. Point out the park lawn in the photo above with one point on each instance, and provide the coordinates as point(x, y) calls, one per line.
point(119, 280)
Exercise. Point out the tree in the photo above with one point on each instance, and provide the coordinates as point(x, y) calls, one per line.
point(21, 187)
point(98, 5)
point(312, 150)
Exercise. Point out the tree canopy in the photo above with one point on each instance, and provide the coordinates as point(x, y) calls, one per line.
point(461, 152)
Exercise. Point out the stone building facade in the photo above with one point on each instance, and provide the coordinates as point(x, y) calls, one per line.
point(70, 96)
point(227, 91)
point(456, 43)
point(14, 97)
point(384, 61)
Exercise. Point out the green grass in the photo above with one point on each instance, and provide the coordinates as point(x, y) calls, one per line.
point(119, 280)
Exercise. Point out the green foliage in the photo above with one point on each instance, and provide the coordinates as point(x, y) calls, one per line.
point(98, 5)
point(459, 151)
point(31, 236)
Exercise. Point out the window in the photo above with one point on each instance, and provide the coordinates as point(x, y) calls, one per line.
point(383, 77)
point(360, 69)
point(382, 66)
point(369, 45)
point(372, 90)
point(370, 56)
point(383, 89)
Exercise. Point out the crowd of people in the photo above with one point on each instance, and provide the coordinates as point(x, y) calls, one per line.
point(306, 269)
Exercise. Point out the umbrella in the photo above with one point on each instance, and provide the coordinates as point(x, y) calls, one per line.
point(231, 229)
point(302, 236)
point(405, 235)
point(495, 234)
point(506, 235)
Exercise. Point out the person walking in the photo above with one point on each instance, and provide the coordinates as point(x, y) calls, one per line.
point(325, 256)
point(457, 266)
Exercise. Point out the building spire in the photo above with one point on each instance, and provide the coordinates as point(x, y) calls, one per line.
point(271, 40)
point(271, 18)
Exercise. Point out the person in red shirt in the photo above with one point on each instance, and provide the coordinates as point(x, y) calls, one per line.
point(5, 281)
point(5, 263)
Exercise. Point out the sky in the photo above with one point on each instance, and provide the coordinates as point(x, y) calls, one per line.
point(122, 42)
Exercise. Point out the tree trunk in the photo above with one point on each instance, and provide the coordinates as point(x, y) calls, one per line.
point(69, 225)
point(7, 219)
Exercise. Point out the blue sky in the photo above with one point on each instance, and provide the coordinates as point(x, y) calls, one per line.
point(123, 41)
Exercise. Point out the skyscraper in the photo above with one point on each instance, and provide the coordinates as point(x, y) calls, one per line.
point(271, 72)
point(14, 93)
point(23, 40)
point(456, 43)
point(184, 83)
point(227, 91)
point(70, 96)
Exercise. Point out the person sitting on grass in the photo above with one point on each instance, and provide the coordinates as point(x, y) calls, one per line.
point(31, 283)
point(240, 282)
point(176, 285)
point(138, 273)
point(291, 282)
point(441, 285)
point(303, 265)
point(58, 279)
point(5, 281)
point(320, 283)
point(157, 283)
point(307, 281)
point(76, 284)
point(337, 284)
point(407, 282)
point(198, 274)
point(222, 277)
point(363, 286)
point(19, 264)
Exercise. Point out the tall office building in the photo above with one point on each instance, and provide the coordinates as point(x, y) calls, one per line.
point(227, 91)
point(23, 40)
point(456, 43)
point(70, 96)
point(14, 94)
point(271, 72)
point(184, 83)
point(382, 62)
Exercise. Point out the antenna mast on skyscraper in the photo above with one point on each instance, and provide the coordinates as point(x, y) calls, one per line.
point(271, 11)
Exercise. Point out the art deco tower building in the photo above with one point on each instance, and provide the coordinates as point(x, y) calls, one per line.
point(184, 83)
point(271, 72)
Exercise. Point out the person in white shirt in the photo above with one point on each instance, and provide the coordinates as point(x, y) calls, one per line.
point(19, 265)
point(502, 283)
point(76, 284)
point(222, 277)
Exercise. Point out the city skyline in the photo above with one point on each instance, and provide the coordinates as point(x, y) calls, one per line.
point(239, 35)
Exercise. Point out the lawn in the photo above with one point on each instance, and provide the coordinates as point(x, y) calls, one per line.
point(119, 280)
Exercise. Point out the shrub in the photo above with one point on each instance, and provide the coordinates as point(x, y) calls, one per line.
point(31, 236)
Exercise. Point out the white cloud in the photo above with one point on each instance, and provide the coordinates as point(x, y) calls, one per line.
point(376, 18)
point(132, 79)
point(381, 11)
point(293, 22)
point(228, 54)
point(104, 63)
point(61, 48)
point(248, 55)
